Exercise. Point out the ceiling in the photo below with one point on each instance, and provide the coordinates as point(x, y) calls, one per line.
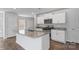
point(29, 11)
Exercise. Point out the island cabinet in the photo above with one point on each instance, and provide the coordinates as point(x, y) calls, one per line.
point(33, 40)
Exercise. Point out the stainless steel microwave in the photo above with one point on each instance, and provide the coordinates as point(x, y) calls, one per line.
point(47, 21)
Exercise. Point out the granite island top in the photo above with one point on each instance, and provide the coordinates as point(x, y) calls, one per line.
point(35, 34)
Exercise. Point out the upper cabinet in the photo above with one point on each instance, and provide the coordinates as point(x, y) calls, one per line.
point(41, 18)
point(56, 18)
point(59, 18)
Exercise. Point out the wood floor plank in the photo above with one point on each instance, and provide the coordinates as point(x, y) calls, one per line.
point(10, 44)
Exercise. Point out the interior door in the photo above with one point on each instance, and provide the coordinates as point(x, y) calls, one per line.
point(11, 24)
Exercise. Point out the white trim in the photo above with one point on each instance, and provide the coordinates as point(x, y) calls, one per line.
point(4, 27)
point(35, 21)
point(25, 15)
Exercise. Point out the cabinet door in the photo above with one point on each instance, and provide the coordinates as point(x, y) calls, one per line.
point(53, 34)
point(40, 20)
point(59, 18)
point(58, 35)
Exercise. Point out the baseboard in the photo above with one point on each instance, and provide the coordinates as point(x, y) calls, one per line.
point(72, 42)
point(57, 41)
point(11, 37)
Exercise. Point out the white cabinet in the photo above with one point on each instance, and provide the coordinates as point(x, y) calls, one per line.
point(40, 20)
point(56, 18)
point(33, 43)
point(58, 35)
point(59, 18)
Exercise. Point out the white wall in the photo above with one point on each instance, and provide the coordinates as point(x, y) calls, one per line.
point(72, 17)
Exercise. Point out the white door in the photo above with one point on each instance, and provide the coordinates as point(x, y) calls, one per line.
point(40, 20)
point(11, 24)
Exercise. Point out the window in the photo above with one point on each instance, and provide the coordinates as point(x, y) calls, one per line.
point(21, 25)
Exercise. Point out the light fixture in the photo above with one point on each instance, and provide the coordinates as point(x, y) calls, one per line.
point(39, 9)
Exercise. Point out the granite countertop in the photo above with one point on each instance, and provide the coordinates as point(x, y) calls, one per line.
point(52, 26)
point(35, 34)
point(55, 28)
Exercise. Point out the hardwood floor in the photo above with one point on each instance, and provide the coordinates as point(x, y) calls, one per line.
point(54, 45)
point(10, 44)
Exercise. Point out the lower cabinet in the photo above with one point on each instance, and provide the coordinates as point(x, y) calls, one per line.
point(58, 35)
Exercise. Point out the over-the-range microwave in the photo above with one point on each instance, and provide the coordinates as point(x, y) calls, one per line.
point(47, 21)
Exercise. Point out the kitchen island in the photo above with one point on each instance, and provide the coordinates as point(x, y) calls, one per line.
point(34, 40)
